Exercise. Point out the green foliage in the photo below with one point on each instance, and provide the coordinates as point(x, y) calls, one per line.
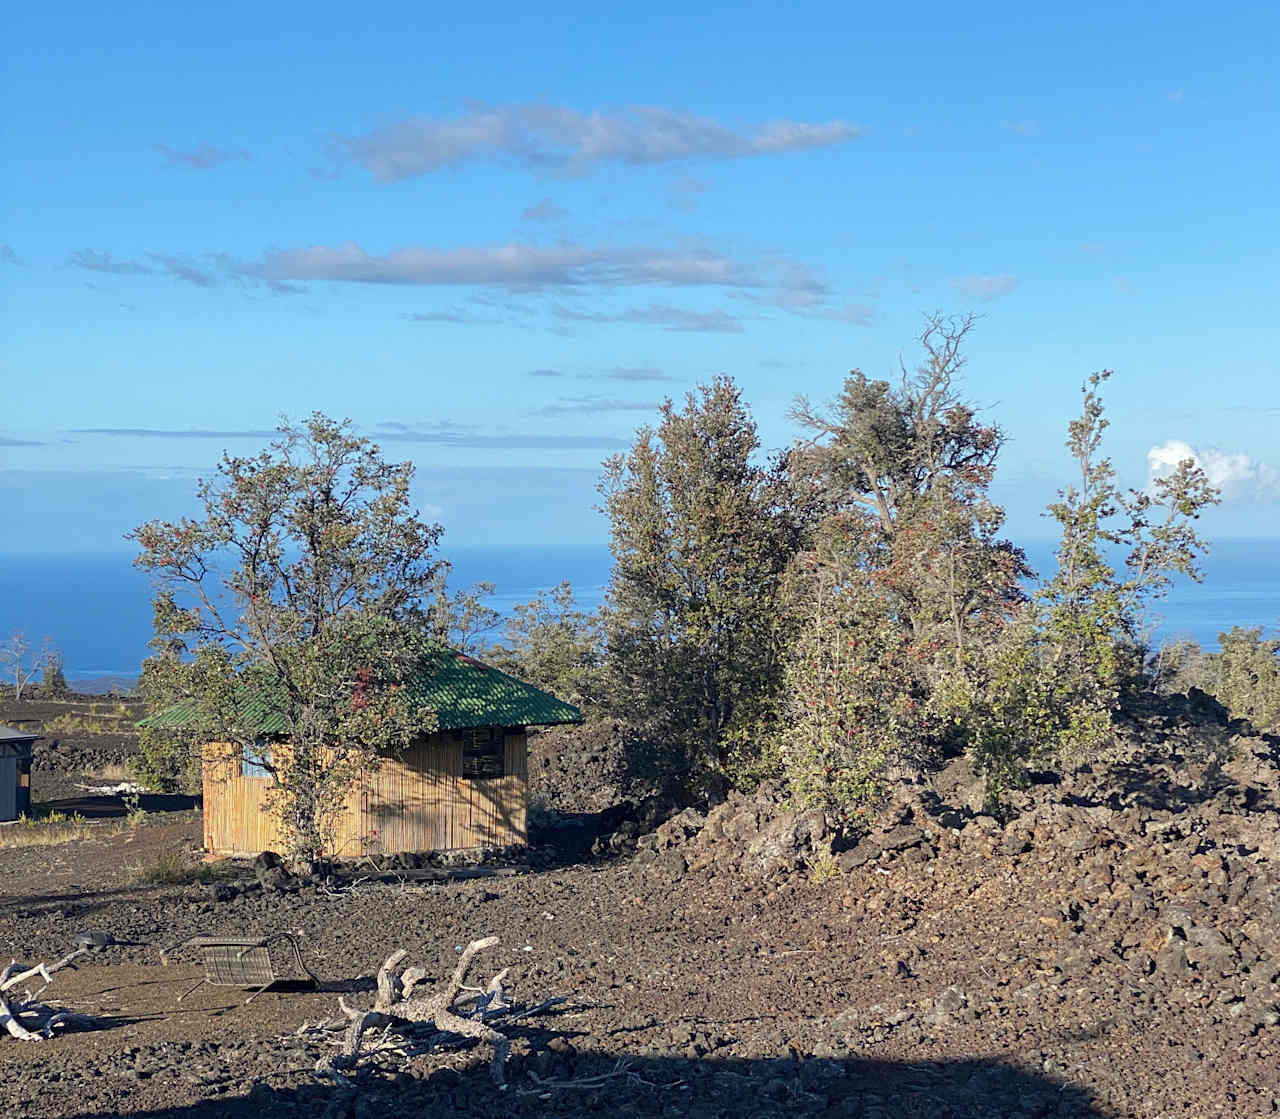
point(1244, 675)
point(1024, 712)
point(135, 815)
point(461, 619)
point(53, 680)
point(303, 591)
point(1057, 677)
point(855, 699)
point(555, 646)
point(700, 541)
point(169, 760)
point(907, 586)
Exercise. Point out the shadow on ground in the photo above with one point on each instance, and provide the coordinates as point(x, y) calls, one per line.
point(587, 1083)
point(113, 807)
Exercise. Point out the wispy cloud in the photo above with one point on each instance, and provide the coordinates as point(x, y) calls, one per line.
point(798, 290)
point(457, 435)
point(93, 261)
point(172, 433)
point(213, 269)
point(10, 441)
point(503, 277)
point(203, 158)
point(558, 138)
point(663, 316)
point(593, 405)
point(1235, 473)
point(509, 266)
point(856, 314)
point(544, 373)
point(546, 210)
point(457, 315)
point(984, 287)
point(623, 373)
point(1021, 127)
point(186, 271)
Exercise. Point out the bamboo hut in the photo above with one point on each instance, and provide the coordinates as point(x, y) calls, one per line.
point(464, 786)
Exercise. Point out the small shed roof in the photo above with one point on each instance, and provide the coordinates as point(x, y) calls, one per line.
point(17, 737)
point(462, 691)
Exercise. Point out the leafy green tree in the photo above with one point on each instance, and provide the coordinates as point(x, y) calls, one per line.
point(555, 646)
point(855, 699)
point(300, 592)
point(700, 541)
point(907, 585)
point(1061, 673)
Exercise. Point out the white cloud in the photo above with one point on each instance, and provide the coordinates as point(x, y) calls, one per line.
point(1235, 473)
point(557, 138)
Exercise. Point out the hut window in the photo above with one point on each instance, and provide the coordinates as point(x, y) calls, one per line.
point(482, 752)
point(255, 759)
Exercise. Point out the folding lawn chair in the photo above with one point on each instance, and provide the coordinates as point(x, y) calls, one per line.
point(237, 961)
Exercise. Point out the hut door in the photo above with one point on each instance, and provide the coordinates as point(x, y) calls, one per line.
point(8, 788)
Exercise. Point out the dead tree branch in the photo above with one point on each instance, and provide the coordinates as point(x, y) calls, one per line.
point(395, 1007)
point(24, 1017)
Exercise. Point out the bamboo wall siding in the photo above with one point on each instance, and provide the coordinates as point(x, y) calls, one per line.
point(416, 802)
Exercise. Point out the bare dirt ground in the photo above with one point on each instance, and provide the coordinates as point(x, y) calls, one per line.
point(1095, 957)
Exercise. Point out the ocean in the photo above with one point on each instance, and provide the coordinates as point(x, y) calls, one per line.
point(97, 608)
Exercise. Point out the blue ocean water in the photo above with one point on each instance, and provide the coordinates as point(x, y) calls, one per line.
point(97, 608)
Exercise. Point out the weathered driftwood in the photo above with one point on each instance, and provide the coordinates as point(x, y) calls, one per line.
point(397, 1007)
point(24, 1017)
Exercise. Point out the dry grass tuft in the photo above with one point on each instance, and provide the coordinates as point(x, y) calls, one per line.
point(46, 831)
point(112, 773)
point(822, 868)
point(171, 867)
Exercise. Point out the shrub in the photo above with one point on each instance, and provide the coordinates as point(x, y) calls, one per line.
point(855, 703)
point(1245, 676)
point(554, 646)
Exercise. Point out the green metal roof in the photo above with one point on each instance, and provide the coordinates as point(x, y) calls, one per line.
point(461, 690)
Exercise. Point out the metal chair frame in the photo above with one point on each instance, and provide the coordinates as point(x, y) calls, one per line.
point(231, 961)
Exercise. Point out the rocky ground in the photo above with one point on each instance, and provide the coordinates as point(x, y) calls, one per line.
point(86, 742)
point(1113, 949)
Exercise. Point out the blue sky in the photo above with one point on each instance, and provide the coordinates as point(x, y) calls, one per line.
point(496, 237)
